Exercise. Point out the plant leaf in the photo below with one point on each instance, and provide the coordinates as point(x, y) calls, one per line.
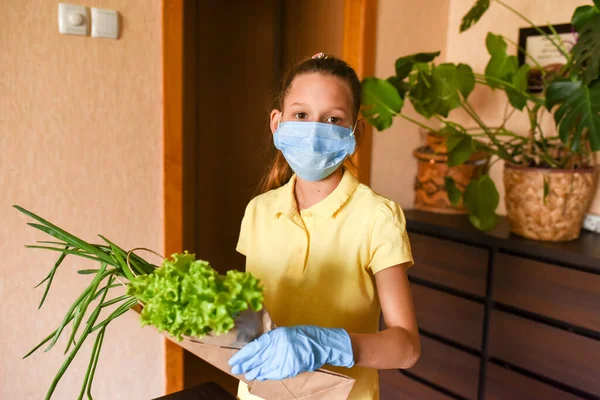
point(578, 111)
point(465, 79)
point(582, 15)
point(518, 97)
point(404, 65)
point(87, 271)
point(546, 188)
point(380, 101)
point(83, 307)
point(454, 193)
point(61, 234)
point(401, 86)
point(460, 149)
point(73, 352)
point(501, 65)
point(495, 44)
point(52, 273)
point(437, 91)
point(95, 363)
point(586, 52)
point(74, 252)
point(481, 199)
point(474, 14)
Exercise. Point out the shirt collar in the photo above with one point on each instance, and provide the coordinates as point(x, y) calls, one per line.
point(328, 207)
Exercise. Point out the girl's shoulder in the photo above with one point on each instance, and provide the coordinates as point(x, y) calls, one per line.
point(379, 206)
point(271, 201)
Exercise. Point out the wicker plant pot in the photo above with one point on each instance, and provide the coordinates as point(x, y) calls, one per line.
point(432, 167)
point(560, 216)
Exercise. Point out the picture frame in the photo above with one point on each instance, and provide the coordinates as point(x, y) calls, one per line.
point(532, 43)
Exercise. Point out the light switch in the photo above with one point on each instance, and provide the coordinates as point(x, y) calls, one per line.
point(105, 23)
point(73, 19)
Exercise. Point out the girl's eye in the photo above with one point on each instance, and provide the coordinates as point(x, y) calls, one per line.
point(300, 115)
point(333, 120)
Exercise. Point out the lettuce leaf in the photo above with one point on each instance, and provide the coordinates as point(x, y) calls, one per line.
point(187, 297)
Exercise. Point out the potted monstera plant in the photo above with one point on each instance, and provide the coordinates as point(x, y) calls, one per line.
point(549, 177)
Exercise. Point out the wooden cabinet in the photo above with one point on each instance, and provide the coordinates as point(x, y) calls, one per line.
point(502, 383)
point(554, 353)
point(447, 315)
point(550, 290)
point(451, 368)
point(501, 317)
point(449, 263)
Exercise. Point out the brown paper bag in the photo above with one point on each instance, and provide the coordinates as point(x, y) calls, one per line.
point(218, 349)
point(317, 385)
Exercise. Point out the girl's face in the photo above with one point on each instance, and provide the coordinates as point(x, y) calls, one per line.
point(316, 97)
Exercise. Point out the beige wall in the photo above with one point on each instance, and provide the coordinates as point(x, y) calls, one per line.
point(403, 27)
point(393, 166)
point(80, 133)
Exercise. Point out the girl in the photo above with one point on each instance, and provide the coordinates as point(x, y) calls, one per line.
point(331, 254)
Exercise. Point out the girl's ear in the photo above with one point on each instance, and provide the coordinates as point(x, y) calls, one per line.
point(359, 131)
point(274, 120)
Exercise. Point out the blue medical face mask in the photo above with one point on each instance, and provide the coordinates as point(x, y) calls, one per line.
point(314, 150)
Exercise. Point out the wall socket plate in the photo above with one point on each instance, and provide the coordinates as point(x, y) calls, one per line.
point(591, 222)
point(73, 19)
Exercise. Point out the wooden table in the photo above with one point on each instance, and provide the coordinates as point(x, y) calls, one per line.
point(206, 391)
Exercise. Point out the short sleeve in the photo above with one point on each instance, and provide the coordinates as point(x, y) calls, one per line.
point(389, 244)
point(242, 245)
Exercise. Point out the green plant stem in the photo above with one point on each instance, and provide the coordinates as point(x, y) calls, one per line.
point(414, 121)
point(522, 50)
point(507, 117)
point(540, 31)
point(558, 38)
point(483, 80)
point(471, 111)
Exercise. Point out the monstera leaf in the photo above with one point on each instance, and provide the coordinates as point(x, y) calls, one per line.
point(380, 102)
point(437, 91)
point(517, 95)
point(582, 15)
point(586, 53)
point(404, 65)
point(401, 86)
point(578, 111)
point(501, 65)
point(481, 199)
point(474, 14)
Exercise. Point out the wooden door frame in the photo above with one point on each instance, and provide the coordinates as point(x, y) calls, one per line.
point(360, 17)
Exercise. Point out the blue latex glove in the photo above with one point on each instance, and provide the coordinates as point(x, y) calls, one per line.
point(288, 351)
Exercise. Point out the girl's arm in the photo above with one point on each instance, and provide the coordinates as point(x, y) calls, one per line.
point(398, 346)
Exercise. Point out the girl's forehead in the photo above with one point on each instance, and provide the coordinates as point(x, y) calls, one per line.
point(319, 89)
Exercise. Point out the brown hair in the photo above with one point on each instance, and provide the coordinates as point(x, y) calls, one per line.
point(279, 172)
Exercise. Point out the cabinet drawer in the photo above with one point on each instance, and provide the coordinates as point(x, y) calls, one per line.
point(448, 316)
point(502, 384)
point(452, 264)
point(563, 356)
point(450, 368)
point(394, 385)
point(564, 294)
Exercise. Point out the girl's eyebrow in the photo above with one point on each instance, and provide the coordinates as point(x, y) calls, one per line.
point(296, 103)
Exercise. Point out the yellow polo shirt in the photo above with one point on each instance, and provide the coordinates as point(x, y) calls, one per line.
point(317, 266)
